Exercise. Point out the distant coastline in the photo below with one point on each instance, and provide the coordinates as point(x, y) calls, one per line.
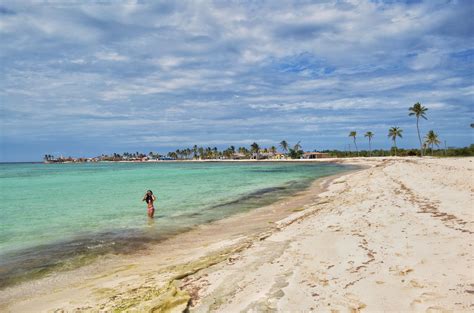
point(254, 154)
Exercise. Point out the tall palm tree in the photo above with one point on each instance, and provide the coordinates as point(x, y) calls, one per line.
point(244, 151)
point(297, 147)
point(419, 111)
point(353, 134)
point(369, 135)
point(393, 133)
point(255, 148)
point(432, 139)
point(201, 152)
point(284, 146)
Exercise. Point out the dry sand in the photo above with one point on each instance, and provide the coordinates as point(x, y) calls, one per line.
point(395, 237)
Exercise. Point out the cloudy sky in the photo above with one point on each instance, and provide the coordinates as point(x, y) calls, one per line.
point(91, 77)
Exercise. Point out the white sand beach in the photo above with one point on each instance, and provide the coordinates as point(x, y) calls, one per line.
point(396, 236)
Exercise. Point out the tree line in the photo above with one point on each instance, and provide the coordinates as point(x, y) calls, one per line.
point(430, 140)
point(255, 151)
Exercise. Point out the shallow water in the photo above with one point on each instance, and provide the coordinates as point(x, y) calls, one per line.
point(60, 216)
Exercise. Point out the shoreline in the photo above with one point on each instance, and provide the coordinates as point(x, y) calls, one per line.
point(32, 263)
point(229, 229)
point(393, 236)
point(319, 160)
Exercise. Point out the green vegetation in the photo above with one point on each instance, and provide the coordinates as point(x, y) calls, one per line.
point(255, 149)
point(448, 152)
point(353, 134)
point(369, 135)
point(419, 111)
point(284, 146)
point(432, 139)
point(256, 152)
point(393, 133)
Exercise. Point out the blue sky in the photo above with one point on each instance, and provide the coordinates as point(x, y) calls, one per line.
point(92, 77)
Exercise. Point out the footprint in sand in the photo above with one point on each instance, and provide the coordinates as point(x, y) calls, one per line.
point(400, 272)
point(416, 284)
point(427, 297)
point(355, 305)
point(437, 309)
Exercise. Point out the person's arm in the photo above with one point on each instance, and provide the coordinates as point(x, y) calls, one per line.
point(154, 198)
point(144, 198)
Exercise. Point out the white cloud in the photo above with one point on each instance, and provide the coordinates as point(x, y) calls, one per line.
point(228, 71)
point(426, 60)
point(111, 56)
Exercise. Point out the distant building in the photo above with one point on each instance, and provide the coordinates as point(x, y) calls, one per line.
point(315, 155)
point(278, 156)
point(269, 156)
point(238, 156)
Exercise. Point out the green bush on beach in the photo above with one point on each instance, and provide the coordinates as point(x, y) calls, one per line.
point(449, 152)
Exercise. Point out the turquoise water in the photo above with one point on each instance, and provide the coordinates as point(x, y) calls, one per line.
point(54, 214)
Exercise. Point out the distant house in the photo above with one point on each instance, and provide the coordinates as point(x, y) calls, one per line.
point(315, 155)
point(278, 156)
point(238, 156)
point(269, 156)
point(166, 158)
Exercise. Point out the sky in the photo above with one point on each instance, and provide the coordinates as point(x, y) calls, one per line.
point(83, 78)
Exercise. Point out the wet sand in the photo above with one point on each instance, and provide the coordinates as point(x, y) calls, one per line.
point(395, 237)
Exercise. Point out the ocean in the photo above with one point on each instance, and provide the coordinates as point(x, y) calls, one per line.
point(61, 216)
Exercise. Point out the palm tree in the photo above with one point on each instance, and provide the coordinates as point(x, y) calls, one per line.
point(419, 111)
point(393, 133)
point(284, 146)
point(273, 149)
point(201, 152)
point(353, 134)
point(255, 148)
point(297, 147)
point(208, 153)
point(432, 139)
point(369, 135)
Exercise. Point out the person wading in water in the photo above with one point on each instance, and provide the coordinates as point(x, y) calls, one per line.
point(149, 197)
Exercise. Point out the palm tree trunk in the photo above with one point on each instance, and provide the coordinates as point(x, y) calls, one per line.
point(419, 137)
point(395, 144)
point(370, 149)
point(355, 144)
